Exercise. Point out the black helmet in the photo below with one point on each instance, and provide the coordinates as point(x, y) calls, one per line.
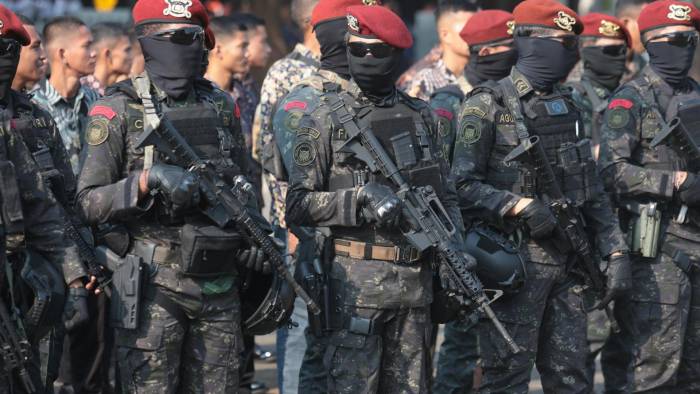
point(499, 265)
point(267, 302)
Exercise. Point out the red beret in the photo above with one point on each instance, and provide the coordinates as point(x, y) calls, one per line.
point(173, 11)
point(381, 23)
point(11, 26)
point(605, 26)
point(488, 26)
point(335, 9)
point(668, 13)
point(547, 13)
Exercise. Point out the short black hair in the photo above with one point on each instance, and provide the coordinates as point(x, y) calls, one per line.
point(25, 20)
point(301, 11)
point(249, 20)
point(226, 26)
point(446, 6)
point(106, 31)
point(60, 26)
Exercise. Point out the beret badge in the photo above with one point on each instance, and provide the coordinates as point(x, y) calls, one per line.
point(511, 27)
point(1, 26)
point(178, 8)
point(353, 23)
point(565, 21)
point(609, 29)
point(679, 12)
point(369, 2)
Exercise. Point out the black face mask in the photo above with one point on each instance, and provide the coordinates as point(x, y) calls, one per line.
point(544, 61)
point(331, 37)
point(172, 67)
point(602, 65)
point(375, 76)
point(9, 59)
point(671, 62)
point(490, 67)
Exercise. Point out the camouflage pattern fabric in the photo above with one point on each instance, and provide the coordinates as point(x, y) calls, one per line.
point(427, 61)
point(457, 358)
point(659, 319)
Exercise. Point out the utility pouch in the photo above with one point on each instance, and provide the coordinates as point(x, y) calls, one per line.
point(645, 231)
point(404, 150)
point(573, 176)
point(12, 215)
point(127, 288)
point(207, 250)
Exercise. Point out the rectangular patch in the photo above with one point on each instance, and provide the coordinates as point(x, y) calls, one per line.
point(556, 107)
point(475, 111)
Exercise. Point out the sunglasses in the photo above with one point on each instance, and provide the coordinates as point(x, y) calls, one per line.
point(379, 50)
point(569, 42)
point(9, 46)
point(183, 36)
point(679, 39)
point(614, 50)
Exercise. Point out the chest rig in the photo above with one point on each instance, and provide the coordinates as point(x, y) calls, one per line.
point(402, 132)
point(11, 204)
point(556, 121)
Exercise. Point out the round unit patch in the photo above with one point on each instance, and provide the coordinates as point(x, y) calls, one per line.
point(471, 132)
point(618, 118)
point(292, 120)
point(444, 126)
point(97, 131)
point(304, 153)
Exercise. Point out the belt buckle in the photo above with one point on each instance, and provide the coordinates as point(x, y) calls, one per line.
point(408, 254)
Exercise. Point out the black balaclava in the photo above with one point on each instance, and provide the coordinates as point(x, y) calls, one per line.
point(8, 69)
point(376, 76)
point(331, 35)
point(544, 61)
point(172, 67)
point(601, 68)
point(490, 67)
point(671, 62)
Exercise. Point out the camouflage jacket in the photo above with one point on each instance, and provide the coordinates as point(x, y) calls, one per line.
point(446, 103)
point(313, 199)
point(591, 100)
point(43, 222)
point(632, 170)
point(488, 188)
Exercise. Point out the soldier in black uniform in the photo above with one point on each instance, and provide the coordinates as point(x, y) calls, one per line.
point(546, 318)
point(381, 287)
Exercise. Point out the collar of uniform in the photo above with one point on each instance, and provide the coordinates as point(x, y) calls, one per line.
point(303, 50)
point(52, 95)
point(464, 84)
point(332, 77)
point(522, 85)
point(601, 91)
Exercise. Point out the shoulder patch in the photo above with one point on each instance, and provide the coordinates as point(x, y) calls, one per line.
point(304, 153)
point(623, 103)
point(292, 120)
point(475, 111)
point(442, 112)
point(97, 131)
point(295, 105)
point(470, 132)
point(618, 118)
point(444, 126)
point(103, 110)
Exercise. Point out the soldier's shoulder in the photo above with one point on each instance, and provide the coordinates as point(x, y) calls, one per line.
point(482, 102)
point(302, 97)
point(119, 95)
point(449, 93)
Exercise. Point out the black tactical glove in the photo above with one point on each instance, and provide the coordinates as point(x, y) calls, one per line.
point(379, 205)
point(690, 190)
point(75, 312)
point(255, 259)
point(619, 279)
point(539, 219)
point(180, 187)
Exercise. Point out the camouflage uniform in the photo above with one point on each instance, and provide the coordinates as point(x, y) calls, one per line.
point(659, 319)
point(189, 335)
point(546, 318)
point(380, 320)
point(43, 222)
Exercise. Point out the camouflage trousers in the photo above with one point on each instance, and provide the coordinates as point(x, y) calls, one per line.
point(548, 321)
point(312, 374)
point(392, 358)
point(163, 355)
point(457, 358)
point(660, 321)
point(614, 357)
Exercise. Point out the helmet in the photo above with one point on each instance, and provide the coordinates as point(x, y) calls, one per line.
point(499, 265)
point(43, 293)
point(267, 302)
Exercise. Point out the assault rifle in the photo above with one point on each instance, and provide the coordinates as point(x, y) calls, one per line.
point(87, 255)
point(677, 136)
point(531, 154)
point(222, 201)
point(429, 225)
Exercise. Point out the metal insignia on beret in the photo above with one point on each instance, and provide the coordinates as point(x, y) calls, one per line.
point(353, 23)
point(618, 118)
point(565, 21)
point(97, 131)
point(608, 29)
point(679, 12)
point(511, 27)
point(369, 2)
point(304, 153)
point(178, 8)
point(471, 133)
point(1, 26)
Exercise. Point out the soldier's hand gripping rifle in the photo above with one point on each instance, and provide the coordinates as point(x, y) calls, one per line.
point(87, 255)
point(429, 225)
point(530, 153)
point(222, 201)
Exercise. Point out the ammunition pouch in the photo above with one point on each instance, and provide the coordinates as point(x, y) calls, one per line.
point(208, 250)
point(644, 229)
point(579, 173)
point(12, 216)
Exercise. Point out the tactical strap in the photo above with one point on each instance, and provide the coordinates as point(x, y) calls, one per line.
point(512, 101)
point(368, 251)
point(598, 104)
point(649, 98)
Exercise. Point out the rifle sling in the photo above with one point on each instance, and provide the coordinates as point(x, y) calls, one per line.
point(598, 104)
point(512, 101)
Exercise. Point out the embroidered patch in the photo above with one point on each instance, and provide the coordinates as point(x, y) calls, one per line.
point(679, 12)
point(474, 111)
point(102, 110)
point(471, 133)
point(609, 29)
point(522, 86)
point(565, 21)
point(292, 120)
point(304, 153)
point(444, 113)
point(178, 8)
point(623, 103)
point(618, 118)
point(556, 107)
point(444, 126)
point(97, 131)
point(295, 105)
